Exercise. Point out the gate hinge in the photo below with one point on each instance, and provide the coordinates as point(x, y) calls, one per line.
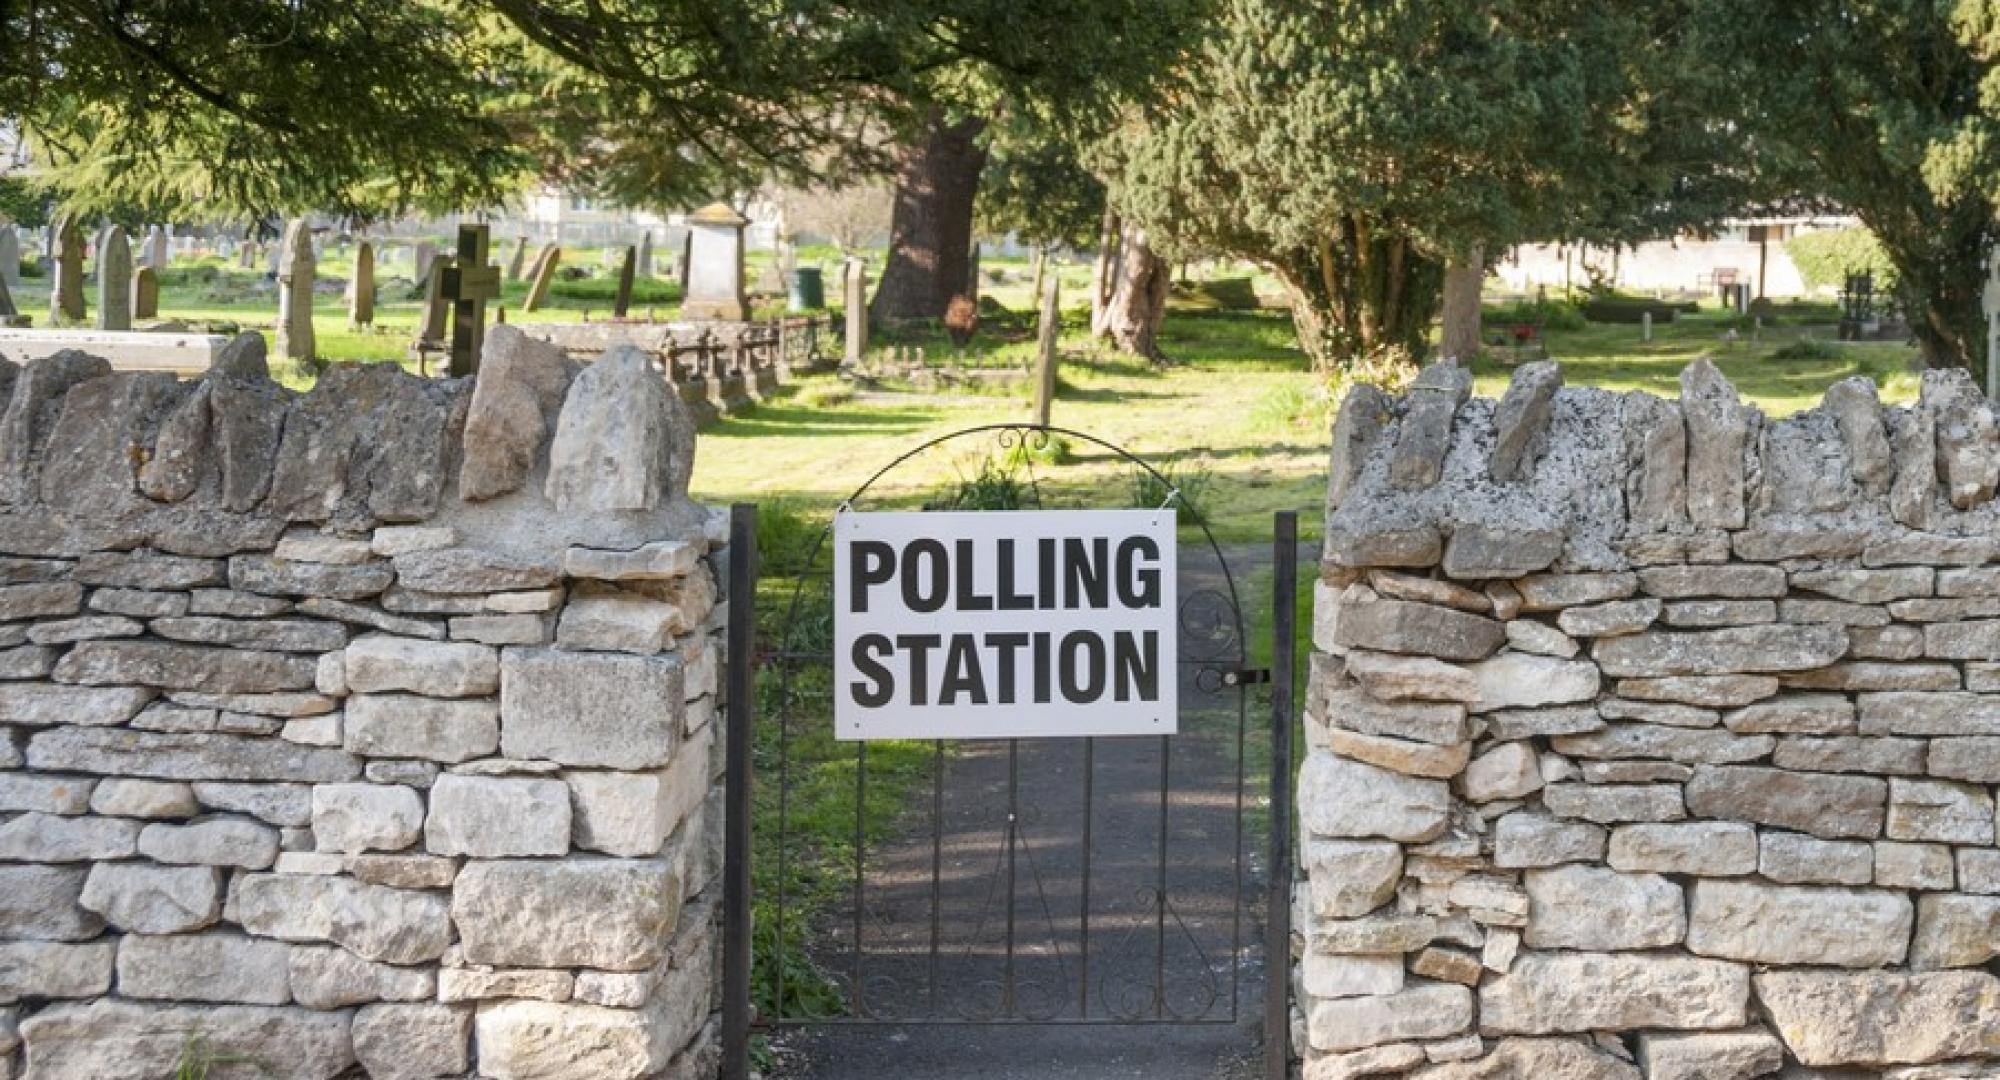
point(1246, 676)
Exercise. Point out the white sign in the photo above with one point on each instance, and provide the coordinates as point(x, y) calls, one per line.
point(1004, 624)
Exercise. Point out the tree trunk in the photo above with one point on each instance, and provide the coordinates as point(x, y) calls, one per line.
point(1360, 293)
point(930, 226)
point(1940, 277)
point(1462, 279)
point(1104, 274)
point(1132, 318)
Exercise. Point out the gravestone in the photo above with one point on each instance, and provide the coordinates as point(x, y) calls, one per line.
point(715, 265)
point(157, 255)
point(426, 251)
point(437, 310)
point(469, 282)
point(10, 316)
point(645, 261)
point(274, 256)
point(10, 255)
point(855, 303)
point(545, 272)
point(627, 267)
point(361, 290)
point(114, 280)
point(1045, 351)
point(519, 259)
point(96, 253)
point(246, 259)
point(682, 259)
point(146, 293)
point(296, 271)
point(66, 295)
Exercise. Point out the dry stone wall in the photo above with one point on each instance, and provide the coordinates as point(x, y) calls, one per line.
point(1653, 738)
point(367, 731)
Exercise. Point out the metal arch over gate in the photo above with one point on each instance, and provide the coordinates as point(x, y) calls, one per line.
point(1021, 881)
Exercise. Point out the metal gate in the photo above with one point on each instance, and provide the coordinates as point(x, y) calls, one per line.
point(1023, 881)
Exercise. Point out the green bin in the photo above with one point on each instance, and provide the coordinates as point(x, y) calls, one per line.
point(808, 290)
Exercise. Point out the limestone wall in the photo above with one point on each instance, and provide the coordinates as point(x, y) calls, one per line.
point(1654, 738)
point(368, 731)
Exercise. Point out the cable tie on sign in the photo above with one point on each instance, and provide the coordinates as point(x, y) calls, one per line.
point(1173, 496)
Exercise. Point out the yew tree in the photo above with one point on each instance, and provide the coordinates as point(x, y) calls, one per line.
point(1891, 110)
point(1357, 148)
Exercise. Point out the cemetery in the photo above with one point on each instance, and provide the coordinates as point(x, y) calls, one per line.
point(1103, 540)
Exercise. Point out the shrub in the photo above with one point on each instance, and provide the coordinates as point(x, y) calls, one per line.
point(1623, 309)
point(1152, 487)
point(1220, 294)
point(1826, 257)
point(1547, 314)
point(1805, 349)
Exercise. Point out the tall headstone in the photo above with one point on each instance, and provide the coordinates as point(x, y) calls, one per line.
point(645, 258)
point(518, 260)
point(246, 259)
point(114, 280)
point(855, 305)
point(470, 281)
point(545, 273)
point(437, 308)
point(10, 316)
point(10, 255)
point(296, 270)
point(66, 295)
point(146, 293)
point(426, 251)
point(627, 268)
point(1045, 351)
point(682, 260)
point(157, 253)
point(361, 288)
point(274, 257)
point(715, 265)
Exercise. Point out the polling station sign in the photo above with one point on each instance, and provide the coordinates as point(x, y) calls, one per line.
point(1004, 624)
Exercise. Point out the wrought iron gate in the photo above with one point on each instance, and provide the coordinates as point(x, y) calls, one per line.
point(1024, 881)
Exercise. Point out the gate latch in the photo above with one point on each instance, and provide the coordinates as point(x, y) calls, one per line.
point(1246, 676)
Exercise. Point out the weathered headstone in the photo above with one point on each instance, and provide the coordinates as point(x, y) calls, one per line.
point(66, 296)
point(715, 265)
point(682, 260)
point(296, 271)
point(1645, 326)
point(645, 260)
point(274, 256)
point(10, 316)
point(1045, 351)
point(114, 280)
point(426, 251)
point(518, 260)
point(469, 283)
point(10, 255)
point(855, 304)
point(545, 272)
point(246, 259)
point(627, 267)
point(157, 255)
point(437, 309)
point(146, 293)
point(361, 289)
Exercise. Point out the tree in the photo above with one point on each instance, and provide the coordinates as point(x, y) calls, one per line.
point(1887, 108)
point(1356, 148)
point(850, 214)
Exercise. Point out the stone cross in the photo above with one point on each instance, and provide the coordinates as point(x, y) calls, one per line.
point(645, 262)
point(296, 271)
point(545, 272)
point(10, 255)
point(715, 265)
point(855, 303)
point(628, 267)
point(66, 296)
point(469, 282)
point(114, 280)
point(1990, 304)
point(1045, 351)
point(426, 251)
point(156, 247)
point(518, 259)
point(361, 290)
point(146, 293)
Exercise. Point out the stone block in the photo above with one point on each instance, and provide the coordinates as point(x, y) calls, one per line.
point(1913, 866)
point(1324, 975)
point(232, 842)
point(129, 1039)
point(1830, 1019)
point(26, 793)
point(353, 818)
point(1388, 677)
point(412, 726)
point(1955, 931)
point(380, 663)
point(325, 977)
point(183, 667)
point(1520, 680)
point(52, 839)
point(486, 984)
point(1689, 746)
point(1609, 619)
point(1347, 878)
point(1707, 691)
point(590, 711)
point(1403, 626)
point(1596, 910)
point(1525, 840)
point(155, 799)
point(1551, 592)
point(610, 914)
point(40, 903)
point(1783, 924)
point(142, 898)
point(228, 968)
point(1807, 714)
point(1827, 806)
point(1929, 714)
point(1554, 993)
point(1876, 755)
point(1796, 859)
point(1529, 636)
point(1419, 1011)
point(413, 1041)
point(1941, 811)
point(1723, 582)
point(1397, 755)
point(1508, 771)
point(1350, 799)
point(617, 623)
point(1610, 804)
point(53, 969)
point(491, 817)
point(40, 704)
point(395, 926)
point(1441, 723)
point(1737, 650)
point(1733, 1055)
point(538, 1040)
point(283, 577)
point(1697, 848)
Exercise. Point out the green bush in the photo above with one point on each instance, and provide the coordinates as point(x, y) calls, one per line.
point(1826, 257)
point(645, 290)
point(1185, 482)
point(1547, 314)
point(1221, 294)
point(1805, 349)
point(1629, 309)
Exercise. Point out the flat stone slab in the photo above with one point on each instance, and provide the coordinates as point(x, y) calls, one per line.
point(135, 350)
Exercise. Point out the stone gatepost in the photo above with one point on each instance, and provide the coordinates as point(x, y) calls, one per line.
point(114, 280)
point(364, 732)
point(715, 265)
